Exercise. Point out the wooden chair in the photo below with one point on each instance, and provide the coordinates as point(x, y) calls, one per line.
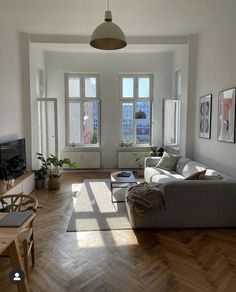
point(20, 203)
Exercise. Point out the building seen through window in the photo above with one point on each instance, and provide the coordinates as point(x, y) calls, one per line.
point(83, 107)
point(136, 95)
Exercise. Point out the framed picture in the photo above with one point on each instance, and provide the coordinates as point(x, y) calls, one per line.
point(205, 105)
point(226, 116)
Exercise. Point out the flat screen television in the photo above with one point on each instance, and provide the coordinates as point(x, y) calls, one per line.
point(13, 156)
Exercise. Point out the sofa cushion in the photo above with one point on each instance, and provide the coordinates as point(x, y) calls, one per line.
point(163, 178)
point(196, 175)
point(192, 167)
point(167, 161)
point(212, 172)
point(180, 164)
point(149, 172)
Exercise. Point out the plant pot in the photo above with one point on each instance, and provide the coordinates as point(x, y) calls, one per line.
point(54, 183)
point(140, 173)
point(3, 187)
point(40, 184)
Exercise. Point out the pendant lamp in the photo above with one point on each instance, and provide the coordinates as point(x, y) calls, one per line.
point(108, 35)
point(140, 115)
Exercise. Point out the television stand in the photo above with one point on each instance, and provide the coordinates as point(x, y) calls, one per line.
point(23, 184)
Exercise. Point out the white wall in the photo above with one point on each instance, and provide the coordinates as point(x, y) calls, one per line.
point(37, 60)
point(109, 66)
point(216, 71)
point(11, 101)
point(180, 63)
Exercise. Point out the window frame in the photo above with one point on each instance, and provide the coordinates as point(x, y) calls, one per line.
point(134, 100)
point(81, 100)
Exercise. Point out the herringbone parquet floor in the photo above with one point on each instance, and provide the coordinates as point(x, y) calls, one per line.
point(123, 260)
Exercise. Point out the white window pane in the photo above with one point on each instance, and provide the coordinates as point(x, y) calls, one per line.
point(144, 87)
point(74, 123)
point(74, 86)
point(143, 126)
point(128, 87)
point(90, 87)
point(127, 122)
point(91, 116)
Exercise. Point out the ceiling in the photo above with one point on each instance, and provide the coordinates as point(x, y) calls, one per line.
point(136, 17)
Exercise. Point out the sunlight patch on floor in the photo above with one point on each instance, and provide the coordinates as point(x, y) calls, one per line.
point(91, 239)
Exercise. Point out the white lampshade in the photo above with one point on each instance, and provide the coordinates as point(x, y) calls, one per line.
point(108, 35)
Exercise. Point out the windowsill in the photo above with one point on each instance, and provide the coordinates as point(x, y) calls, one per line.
point(134, 147)
point(82, 147)
point(173, 146)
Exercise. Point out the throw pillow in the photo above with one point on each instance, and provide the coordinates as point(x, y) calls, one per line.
point(196, 175)
point(167, 161)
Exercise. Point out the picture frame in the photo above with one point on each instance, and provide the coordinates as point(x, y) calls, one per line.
point(205, 109)
point(226, 116)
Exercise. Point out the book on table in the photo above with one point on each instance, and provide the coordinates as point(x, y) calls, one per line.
point(124, 174)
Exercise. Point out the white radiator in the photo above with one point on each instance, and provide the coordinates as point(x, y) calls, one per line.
point(86, 160)
point(127, 160)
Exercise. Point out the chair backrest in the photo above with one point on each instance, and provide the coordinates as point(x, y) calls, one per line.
point(18, 203)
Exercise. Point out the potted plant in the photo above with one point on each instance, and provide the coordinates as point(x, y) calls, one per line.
point(153, 151)
point(4, 178)
point(140, 161)
point(40, 177)
point(53, 166)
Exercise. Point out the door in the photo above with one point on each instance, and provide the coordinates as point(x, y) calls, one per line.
point(47, 126)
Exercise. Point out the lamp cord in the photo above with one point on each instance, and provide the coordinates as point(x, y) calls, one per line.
point(108, 6)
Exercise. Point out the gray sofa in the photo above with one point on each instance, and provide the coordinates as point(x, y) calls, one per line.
point(188, 203)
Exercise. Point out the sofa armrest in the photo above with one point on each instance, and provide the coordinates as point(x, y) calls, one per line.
point(151, 161)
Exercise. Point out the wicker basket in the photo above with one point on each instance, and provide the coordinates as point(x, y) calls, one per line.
point(54, 183)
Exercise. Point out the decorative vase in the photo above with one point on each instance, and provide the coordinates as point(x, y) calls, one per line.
point(54, 183)
point(3, 187)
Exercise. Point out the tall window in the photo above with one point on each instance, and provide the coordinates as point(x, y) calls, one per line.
point(82, 110)
point(136, 102)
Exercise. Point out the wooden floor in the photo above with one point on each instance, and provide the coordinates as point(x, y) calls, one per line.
point(123, 260)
